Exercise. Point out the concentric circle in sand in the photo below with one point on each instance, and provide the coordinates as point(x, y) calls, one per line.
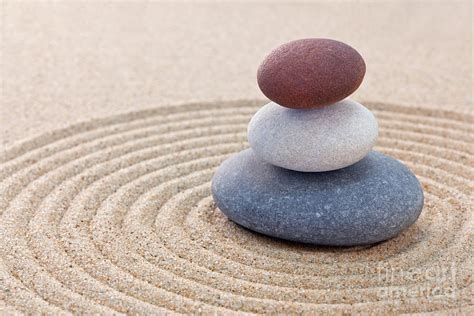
point(115, 215)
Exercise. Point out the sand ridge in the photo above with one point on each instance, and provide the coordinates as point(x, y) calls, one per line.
point(114, 215)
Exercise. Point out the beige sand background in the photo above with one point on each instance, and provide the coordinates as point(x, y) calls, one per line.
point(66, 62)
point(114, 215)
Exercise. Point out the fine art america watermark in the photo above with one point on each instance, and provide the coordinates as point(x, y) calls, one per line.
point(434, 281)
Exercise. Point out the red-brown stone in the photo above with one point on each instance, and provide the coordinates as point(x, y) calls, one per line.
point(309, 73)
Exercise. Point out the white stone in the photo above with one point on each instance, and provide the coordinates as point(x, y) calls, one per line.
point(313, 140)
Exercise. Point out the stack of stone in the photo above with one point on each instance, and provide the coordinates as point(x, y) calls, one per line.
point(311, 175)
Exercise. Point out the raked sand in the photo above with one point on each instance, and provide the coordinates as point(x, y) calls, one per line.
point(114, 214)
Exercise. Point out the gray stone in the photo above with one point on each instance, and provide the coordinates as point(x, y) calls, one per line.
point(313, 140)
point(370, 201)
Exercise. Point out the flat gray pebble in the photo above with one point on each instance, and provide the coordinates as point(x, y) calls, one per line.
point(370, 201)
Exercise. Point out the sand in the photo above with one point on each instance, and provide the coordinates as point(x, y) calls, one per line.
point(114, 214)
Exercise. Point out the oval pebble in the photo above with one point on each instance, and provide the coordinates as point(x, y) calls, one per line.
point(313, 140)
point(310, 73)
point(370, 201)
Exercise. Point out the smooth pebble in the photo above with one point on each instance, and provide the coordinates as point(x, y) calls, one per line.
point(313, 140)
point(370, 201)
point(311, 72)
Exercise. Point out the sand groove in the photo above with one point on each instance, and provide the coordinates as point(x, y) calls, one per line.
point(115, 215)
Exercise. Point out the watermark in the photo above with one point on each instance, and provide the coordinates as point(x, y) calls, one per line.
point(436, 280)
